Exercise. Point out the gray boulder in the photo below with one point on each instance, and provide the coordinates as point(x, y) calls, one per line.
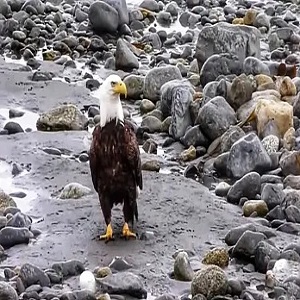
point(167, 92)
point(247, 155)
point(248, 186)
point(121, 7)
point(5, 9)
point(194, 137)
point(219, 64)
point(7, 292)
point(103, 17)
point(135, 85)
point(255, 66)
point(272, 194)
point(156, 78)
point(265, 252)
point(239, 40)
point(151, 5)
point(123, 283)
point(246, 245)
point(176, 97)
point(215, 117)
point(124, 58)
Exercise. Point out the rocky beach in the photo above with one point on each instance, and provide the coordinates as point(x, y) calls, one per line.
point(213, 95)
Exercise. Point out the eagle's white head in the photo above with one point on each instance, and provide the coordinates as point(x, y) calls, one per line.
point(110, 103)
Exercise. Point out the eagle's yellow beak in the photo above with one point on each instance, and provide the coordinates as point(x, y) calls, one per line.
point(120, 88)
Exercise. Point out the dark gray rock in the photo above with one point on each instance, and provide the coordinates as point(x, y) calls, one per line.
point(123, 283)
point(290, 228)
point(124, 58)
point(78, 295)
point(276, 213)
point(151, 5)
point(254, 66)
point(272, 194)
point(20, 220)
point(235, 286)
point(15, 113)
point(69, 268)
point(290, 255)
point(31, 274)
point(241, 41)
point(215, 117)
point(13, 127)
point(219, 64)
point(292, 214)
point(97, 44)
point(5, 9)
point(103, 17)
point(294, 247)
point(121, 7)
point(194, 136)
point(135, 85)
point(234, 234)
point(52, 151)
point(37, 5)
point(11, 236)
point(291, 197)
point(247, 243)
point(228, 138)
point(248, 186)
point(241, 91)
point(156, 78)
point(263, 254)
point(7, 292)
point(246, 155)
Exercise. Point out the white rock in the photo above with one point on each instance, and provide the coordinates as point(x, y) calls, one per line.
point(87, 281)
point(74, 190)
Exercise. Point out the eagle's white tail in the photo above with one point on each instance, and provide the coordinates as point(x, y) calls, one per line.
point(138, 191)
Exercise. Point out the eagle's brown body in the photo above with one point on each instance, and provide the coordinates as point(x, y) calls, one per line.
point(116, 168)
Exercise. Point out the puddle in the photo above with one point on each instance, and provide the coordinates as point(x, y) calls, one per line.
point(8, 186)
point(22, 61)
point(27, 121)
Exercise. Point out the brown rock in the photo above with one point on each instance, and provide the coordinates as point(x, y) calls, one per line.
point(273, 117)
point(250, 16)
point(255, 206)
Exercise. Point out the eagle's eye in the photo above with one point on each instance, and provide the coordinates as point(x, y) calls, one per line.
point(113, 83)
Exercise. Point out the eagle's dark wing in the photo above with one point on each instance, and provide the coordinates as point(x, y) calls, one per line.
point(132, 153)
point(94, 157)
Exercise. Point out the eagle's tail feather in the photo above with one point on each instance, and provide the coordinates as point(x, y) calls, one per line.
point(136, 212)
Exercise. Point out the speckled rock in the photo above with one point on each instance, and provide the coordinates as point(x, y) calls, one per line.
point(6, 201)
point(258, 207)
point(210, 281)
point(64, 117)
point(216, 256)
point(225, 38)
point(74, 190)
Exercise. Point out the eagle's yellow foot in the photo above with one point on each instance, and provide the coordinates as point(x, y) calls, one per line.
point(127, 233)
point(108, 236)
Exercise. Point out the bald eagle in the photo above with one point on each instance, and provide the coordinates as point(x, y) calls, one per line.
point(115, 162)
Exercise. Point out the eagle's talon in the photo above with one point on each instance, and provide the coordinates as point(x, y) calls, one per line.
point(108, 236)
point(127, 233)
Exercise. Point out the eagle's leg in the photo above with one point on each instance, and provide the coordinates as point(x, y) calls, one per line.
point(108, 235)
point(106, 209)
point(128, 211)
point(126, 231)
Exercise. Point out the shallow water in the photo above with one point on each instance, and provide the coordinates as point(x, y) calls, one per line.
point(27, 121)
point(8, 186)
